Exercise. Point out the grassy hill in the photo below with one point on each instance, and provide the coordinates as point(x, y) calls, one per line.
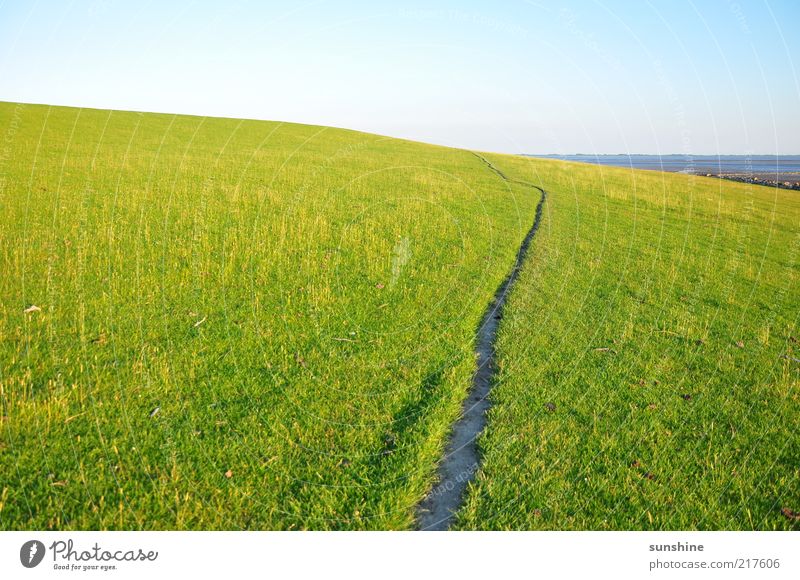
point(240, 324)
point(225, 324)
point(648, 358)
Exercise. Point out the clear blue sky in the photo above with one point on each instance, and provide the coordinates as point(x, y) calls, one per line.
point(516, 76)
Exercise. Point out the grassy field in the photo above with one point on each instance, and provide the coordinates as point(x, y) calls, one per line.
point(211, 323)
point(224, 324)
point(648, 358)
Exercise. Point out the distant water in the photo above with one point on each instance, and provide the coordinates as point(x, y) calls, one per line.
point(762, 165)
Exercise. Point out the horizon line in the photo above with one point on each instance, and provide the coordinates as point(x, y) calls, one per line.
point(266, 120)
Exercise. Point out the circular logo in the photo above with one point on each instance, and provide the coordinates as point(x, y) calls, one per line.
point(31, 553)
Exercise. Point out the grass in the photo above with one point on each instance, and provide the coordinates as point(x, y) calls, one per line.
point(648, 374)
point(238, 324)
point(225, 324)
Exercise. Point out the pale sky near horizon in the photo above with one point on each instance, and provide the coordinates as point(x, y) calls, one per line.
point(701, 77)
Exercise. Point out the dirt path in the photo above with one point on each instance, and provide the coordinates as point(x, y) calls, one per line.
point(461, 459)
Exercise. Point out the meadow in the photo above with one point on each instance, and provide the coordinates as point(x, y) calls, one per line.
point(648, 358)
point(225, 324)
point(215, 323)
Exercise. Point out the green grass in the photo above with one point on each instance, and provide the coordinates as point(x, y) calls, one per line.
point(641, 288)
point(298, 302)
point(247, 324)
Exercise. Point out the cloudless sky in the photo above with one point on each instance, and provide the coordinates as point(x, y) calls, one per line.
point(683, 76)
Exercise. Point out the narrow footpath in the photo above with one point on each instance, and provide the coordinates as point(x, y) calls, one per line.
point(461, 460)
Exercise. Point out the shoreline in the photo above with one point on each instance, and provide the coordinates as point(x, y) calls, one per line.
point(782, 171)
point(786, 182)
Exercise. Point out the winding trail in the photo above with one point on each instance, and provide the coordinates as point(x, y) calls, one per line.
point(461, 459)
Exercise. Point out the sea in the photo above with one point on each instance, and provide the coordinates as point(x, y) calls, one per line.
point(774, 166)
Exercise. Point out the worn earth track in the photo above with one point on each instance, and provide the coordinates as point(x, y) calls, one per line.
point(461, 459)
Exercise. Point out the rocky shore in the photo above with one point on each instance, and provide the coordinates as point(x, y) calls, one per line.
point(783, 181)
